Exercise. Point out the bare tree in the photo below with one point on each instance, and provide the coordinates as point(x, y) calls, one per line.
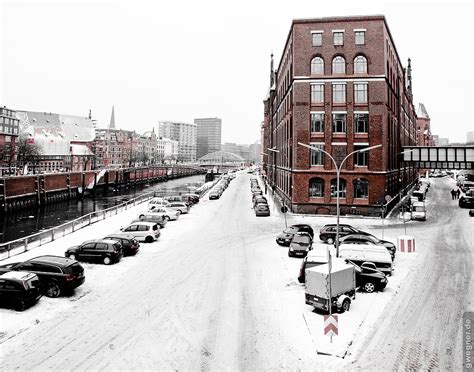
point(28, 153)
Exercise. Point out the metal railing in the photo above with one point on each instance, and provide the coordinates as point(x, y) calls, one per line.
point(21, 245)
point(27, 243)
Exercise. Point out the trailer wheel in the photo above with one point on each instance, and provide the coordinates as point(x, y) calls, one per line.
point(346, 305)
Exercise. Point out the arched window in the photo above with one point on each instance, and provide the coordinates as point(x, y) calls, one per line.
point(316, 187)
point(360, 65)
point(339, 65)
point(342, 187)
point(361, 188)
point(317, 66)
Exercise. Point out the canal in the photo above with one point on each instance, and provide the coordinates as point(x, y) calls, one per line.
point(29, 221)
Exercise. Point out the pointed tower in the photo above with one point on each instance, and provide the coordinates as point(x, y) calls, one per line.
point(112, 119)
point(409, 87)
point(272, 73)
point(90, 114)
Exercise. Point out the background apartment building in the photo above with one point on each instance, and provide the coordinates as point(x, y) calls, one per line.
point(339, 86)
point(9, 132)
point(185, 134)
point(208, 135)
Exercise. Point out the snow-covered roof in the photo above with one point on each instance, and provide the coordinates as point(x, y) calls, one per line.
point(421, 111)
point(79, 149)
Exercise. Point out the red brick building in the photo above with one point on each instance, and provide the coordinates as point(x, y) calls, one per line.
point(9, 131)
point(423, 127)
point(340, 86)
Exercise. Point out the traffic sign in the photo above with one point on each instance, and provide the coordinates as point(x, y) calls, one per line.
point(388, 198)
point(330, 325)
point(284, 209)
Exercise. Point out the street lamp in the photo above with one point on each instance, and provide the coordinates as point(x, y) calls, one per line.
point(338, 173)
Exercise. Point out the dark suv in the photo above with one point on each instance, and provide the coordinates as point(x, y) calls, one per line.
point(328, 232)
point(369, 278)
point(56, 274)
point(19, 290)
point(105, 251)
point(467, 200)
point(130, 245)
point(285, 237)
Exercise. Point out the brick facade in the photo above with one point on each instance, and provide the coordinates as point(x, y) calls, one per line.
point(384, 103)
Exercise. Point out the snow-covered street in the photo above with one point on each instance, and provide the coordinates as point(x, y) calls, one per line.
point(216, 292)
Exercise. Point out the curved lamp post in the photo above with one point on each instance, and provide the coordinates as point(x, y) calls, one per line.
point(338, 173)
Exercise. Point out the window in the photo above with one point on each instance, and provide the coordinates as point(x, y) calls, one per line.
point(338, 38)
point(361, 123)
point(317, 66)
point(360, 37)
point(317, 122)
point(339, 93)
point(317, 93)
point(317, 38)
point(361, 189)
point(317, 157)
point(339, 123)
point(342, 188)
point(360, 65)
point(316, 187)
point(101, 246)
point(338, 65)
point(361, 159)
point(360, 93)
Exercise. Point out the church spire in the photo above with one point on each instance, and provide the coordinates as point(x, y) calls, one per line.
point(112, 119)
point(272, 73)
point(410, 87)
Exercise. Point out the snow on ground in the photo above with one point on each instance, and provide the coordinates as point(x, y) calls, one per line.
point(291, 319)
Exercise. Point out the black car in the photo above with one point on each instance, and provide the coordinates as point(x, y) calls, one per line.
point(19, 290)
point(130, 245)
point(262, 210)
point(56, 274)
point(328, 232)
point(300, 245)
point(105, 251)
point(368, 239)
point(369, 278)
point(471, 213)
point(285, 237)
point(467, 200)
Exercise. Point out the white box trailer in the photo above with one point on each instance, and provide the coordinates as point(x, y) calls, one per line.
point(343, 285)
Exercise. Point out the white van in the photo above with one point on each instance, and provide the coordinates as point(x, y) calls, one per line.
point(418, 211)
point(360, 253)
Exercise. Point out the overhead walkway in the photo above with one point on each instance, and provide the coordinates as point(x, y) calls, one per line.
point(440, 157)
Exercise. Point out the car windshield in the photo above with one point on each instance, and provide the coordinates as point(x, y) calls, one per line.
point(418, 209)
point(300, 239)
point(290, 230)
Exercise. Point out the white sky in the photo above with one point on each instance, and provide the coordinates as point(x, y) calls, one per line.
point(180, 60)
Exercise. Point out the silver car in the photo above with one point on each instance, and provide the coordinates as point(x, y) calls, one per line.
point(182, 208)
point(142, 231)
point(164, 212)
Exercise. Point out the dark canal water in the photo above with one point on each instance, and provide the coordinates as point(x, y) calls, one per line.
point(30, 221)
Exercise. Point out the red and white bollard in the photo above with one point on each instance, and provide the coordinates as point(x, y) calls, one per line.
point(406, 243)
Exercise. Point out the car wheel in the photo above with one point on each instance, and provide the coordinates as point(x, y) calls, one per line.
point(72, 256)
point(178, 212)
point(166, 218)
point(346, 305)
point(52, 290)
point(107, 260)
point(141, 216)
point(149, 239)
point(290, 254)
point(20, 305)
point(369, 287)
point(330, 240)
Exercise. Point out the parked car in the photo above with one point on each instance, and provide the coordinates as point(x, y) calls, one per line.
point(467, 200)
point(143, 231)
point(19, 290)
point(101, 250)
point(193, 198)
point(360, 254)
point(158, 202)
point(130, 245)
point(178, 199)
point(259, 200)
point(315, 257)
point(57, 274)
point(418, 211)
point(369, 278)
point(214, 194)
point(328, 232)
point(262, 210)
point(166, 213)
point(368, 239)
point(471, 213)
point(182, 208)
point(284, 238)
point(300, 245)
point(151, 217)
